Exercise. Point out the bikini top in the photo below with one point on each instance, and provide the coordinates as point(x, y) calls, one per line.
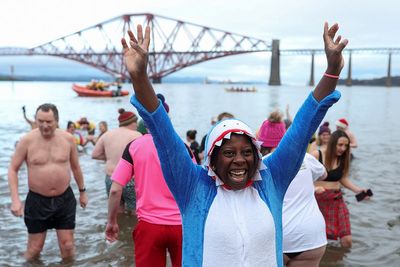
point(333, 175)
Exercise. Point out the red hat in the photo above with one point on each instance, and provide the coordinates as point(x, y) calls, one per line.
point(126, 117)
point(342, 123)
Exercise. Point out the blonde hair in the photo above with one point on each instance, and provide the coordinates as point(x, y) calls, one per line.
point(275, 116)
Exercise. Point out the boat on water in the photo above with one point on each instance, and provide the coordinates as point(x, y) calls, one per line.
point(83, 90)
point(241, 89)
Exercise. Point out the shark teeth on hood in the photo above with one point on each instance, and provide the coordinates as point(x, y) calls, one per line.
point(217, 132)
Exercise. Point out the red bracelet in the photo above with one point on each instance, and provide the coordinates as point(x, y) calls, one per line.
point(331, 76)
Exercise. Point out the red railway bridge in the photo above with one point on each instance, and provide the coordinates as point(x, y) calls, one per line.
point(175, 45)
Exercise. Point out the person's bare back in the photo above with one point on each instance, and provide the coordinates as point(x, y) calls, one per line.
point(111, 145)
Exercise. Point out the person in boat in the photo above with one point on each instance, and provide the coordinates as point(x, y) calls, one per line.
point(102, 85)
point(236, 193)
point(92, 85)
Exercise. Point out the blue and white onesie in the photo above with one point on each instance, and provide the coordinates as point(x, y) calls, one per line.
point(224, 227)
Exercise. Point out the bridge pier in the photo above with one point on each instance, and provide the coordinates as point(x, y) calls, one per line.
point(389, 74)
point(311, 82)
point(349, 81)
point(156, 80)
point(12, 73)
point(274, 77)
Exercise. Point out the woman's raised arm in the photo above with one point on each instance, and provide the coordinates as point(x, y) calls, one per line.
point(333, 52)
point(136, 59)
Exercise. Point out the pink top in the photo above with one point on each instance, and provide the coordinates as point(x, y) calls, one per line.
point(154, 202)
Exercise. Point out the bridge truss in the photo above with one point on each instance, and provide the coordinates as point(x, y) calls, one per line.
point(175, 45)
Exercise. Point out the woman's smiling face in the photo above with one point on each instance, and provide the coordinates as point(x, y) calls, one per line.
point(235, 163)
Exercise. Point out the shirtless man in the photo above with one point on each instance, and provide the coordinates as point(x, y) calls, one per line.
point(50, 154)
point(110, 147)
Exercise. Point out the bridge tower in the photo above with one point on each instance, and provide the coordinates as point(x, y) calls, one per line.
point(12, 72)
point(312, 83)
point(274, 77)
point(389, 75)
point(349, 81)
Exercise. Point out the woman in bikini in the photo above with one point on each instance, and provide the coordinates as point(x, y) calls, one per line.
point(336, 160)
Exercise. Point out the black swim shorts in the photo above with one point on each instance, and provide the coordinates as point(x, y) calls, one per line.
point(42, 213)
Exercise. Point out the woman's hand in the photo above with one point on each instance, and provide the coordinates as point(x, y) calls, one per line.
point(319, 189)
point(136, 57)
point(136, 54)
point(333, 49)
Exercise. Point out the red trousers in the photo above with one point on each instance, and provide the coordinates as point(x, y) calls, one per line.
point(152, 242)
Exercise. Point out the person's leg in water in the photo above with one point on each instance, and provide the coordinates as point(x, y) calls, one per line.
point(108, 183)
point(309, 258)
point(344, 230)
point(346, 241)
point(129, 197)
point(35, 245)
point(66, 243)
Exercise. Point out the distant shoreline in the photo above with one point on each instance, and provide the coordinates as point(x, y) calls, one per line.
point(373, 82)
point(367, 82)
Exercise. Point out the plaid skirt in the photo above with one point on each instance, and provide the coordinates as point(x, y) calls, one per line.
point(335, 212)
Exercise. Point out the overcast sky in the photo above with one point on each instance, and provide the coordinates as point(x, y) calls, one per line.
point(298, 24)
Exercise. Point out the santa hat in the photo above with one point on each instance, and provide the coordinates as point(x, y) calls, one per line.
point(223, 130)
point(342, 123)
point(126, 117)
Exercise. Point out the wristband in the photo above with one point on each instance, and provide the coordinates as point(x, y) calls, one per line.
point(82, 190)
point(331, 76)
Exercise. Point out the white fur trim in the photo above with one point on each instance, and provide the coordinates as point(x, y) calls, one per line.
point(341, 124)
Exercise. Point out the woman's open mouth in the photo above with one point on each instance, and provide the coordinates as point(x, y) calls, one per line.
point(238, 175)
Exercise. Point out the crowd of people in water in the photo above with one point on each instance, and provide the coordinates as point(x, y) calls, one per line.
point(272, 197)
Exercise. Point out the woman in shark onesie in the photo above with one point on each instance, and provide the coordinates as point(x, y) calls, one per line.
point(231, 207)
